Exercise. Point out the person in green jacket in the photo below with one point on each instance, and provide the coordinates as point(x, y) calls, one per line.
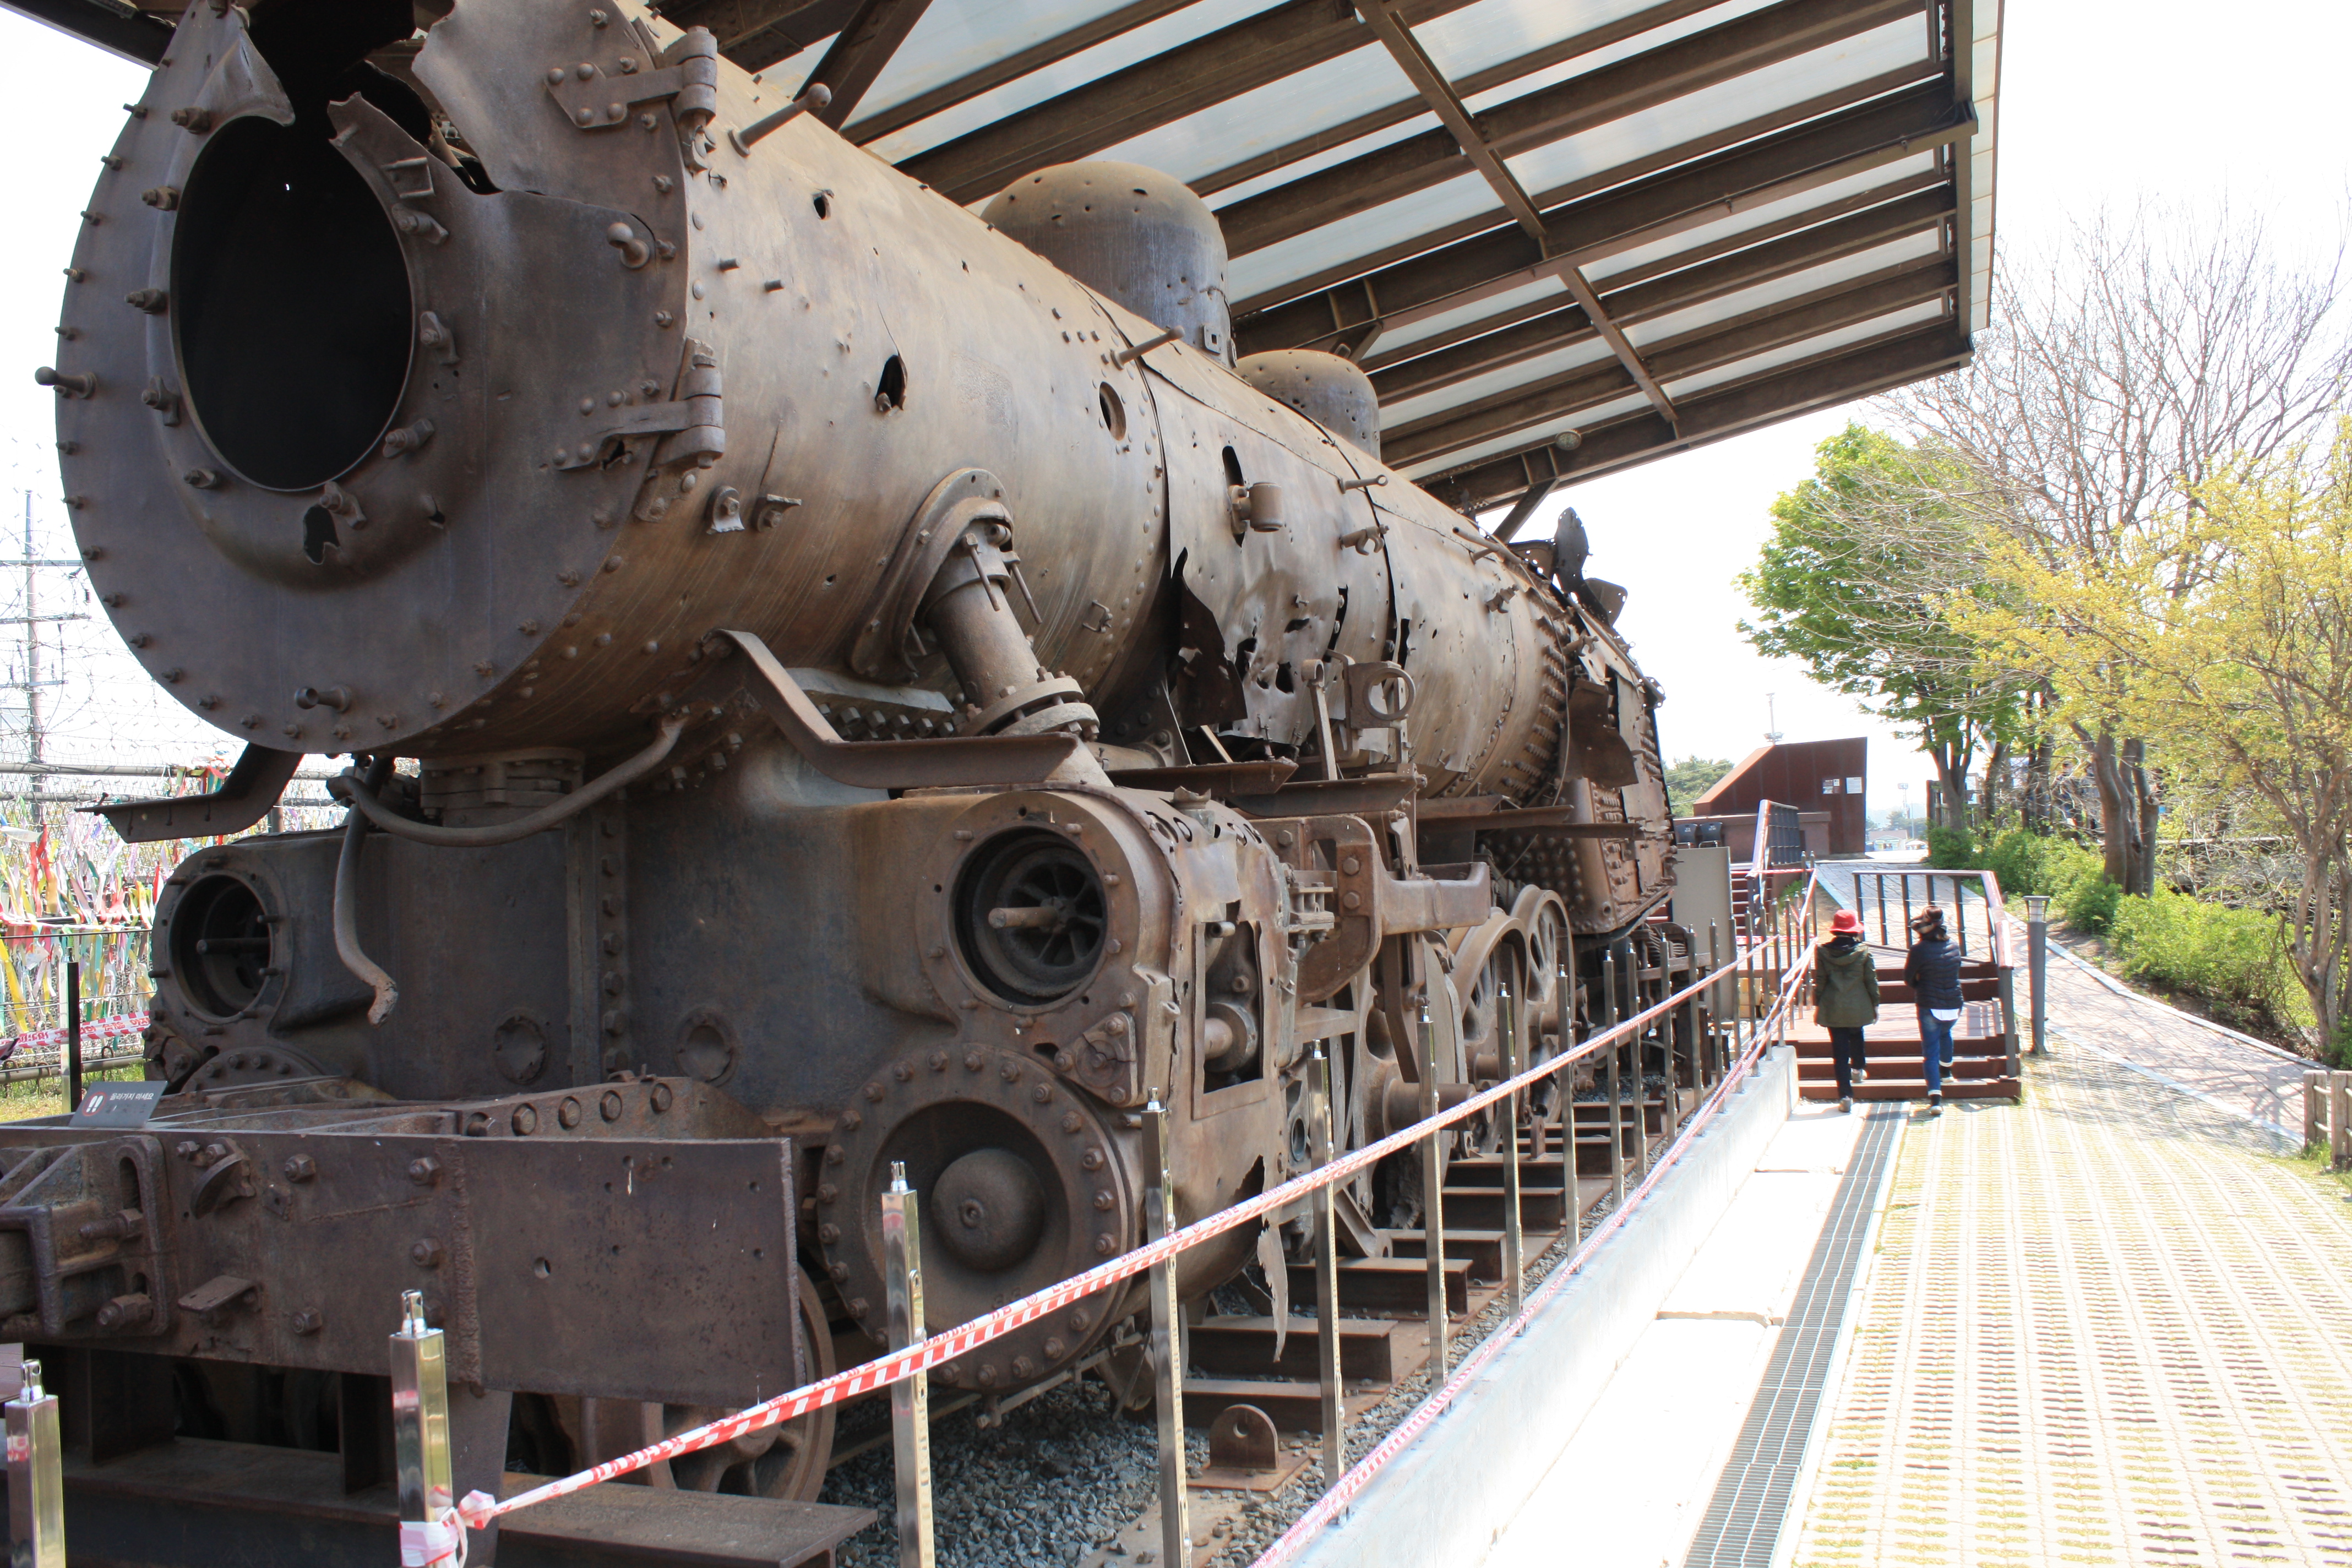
point(1845, 997)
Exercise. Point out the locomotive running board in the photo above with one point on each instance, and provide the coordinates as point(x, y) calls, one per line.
point(743, 662)
point(244, 798)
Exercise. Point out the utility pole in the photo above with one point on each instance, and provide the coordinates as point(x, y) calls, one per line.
point(35, 734)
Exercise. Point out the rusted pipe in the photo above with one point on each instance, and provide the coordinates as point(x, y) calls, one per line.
point(347, 924)
point(362, 798)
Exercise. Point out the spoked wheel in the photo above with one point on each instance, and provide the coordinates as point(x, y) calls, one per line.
point(786, 1463)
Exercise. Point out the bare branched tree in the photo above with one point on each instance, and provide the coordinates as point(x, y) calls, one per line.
point(2128, 367)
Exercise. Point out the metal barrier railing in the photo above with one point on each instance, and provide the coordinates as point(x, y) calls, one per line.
point(1870, 890)
point(1894, 914)
point(1778, 963)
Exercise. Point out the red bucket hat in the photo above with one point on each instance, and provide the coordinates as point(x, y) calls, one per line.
point(1845, 923)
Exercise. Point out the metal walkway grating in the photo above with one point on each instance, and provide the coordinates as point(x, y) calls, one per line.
point(1753, 1496)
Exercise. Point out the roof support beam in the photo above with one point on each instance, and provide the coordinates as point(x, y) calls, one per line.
point(1431, 83)
point(1550, 114)
point(1801, 158)
point(1711, 347)
point(132, 34)
point(1613, 177)
point(1530, 498)
point(860, 51)
point(1664, 14)
point(1020, 63)
point(1438, 93)
point(1836, 376)
point(1275, 44)
point(1675, 282)
point(1619, 344)
point(756, 34)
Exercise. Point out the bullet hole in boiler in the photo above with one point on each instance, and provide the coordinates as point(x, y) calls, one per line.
point(890, 392)
point(317, 534)
point(1282, 677)
point(1233, 468)
point(824, 203)
point(1114, 413)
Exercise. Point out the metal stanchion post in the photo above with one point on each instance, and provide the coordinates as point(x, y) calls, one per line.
point(1327, 1278)
point(430, 1533)
point(1690, 1014)
point(1616, 1094)
point(910, 1397)
point(1506, 1024)
point(73, 1034)
point(2037, 960)
point(1630, 976)
point(1167, 1341)
point(36, 1480)
point(1714, 1011)
point(1432, 1200)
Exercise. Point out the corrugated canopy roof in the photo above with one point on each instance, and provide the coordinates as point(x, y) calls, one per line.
point(1561, 235)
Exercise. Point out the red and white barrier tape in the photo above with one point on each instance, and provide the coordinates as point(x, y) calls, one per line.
point(478, 1508)
point(96, 1029)
point(1329, 1507)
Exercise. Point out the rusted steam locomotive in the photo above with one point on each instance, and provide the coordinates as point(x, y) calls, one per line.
point(832, 679)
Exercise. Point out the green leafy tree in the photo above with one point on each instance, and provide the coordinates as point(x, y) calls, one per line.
point(1864, 562)
point(1693, 777)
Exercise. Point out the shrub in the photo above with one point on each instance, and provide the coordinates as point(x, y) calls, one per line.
point(2229, 956)
point(1952, 848)
point(2088, 903)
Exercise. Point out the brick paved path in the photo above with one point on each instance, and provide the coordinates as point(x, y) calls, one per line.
point(2104, 1327)
point(2242, 1078)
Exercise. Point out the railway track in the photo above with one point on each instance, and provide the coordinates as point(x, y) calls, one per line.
point(1251, 1389)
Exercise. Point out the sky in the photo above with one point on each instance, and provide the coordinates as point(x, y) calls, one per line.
point(2102, 102)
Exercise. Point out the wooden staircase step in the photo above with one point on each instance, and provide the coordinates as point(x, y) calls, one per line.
point(1877, 1088)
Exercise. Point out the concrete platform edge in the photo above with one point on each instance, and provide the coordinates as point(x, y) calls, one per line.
point(1448, 1497)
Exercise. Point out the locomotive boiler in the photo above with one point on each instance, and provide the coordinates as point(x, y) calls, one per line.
point(832, 680)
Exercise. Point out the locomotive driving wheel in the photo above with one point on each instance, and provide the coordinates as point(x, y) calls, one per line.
point(784, 1463)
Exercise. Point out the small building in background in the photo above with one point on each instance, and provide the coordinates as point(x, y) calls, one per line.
point(1826, 781)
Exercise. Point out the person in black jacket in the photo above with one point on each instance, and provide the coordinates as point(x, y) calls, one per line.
point(1932, 970)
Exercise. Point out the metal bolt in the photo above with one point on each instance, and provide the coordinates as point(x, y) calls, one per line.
point(426, 1254)
point(424, 1169)
point(308, 1321)
point(300, 1168)
point(525, 1121)
point(125, 1312)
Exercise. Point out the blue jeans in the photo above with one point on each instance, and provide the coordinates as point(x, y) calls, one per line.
point(1934, 1044)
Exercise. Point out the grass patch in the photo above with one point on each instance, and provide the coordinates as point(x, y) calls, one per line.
point(2312, 1163)
point(22, 1101)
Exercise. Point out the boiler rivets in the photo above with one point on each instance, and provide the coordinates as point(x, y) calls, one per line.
point(193, 121)
point(153, 301)
point(163, 198)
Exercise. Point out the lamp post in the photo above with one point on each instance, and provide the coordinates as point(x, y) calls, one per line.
point(2037, 950)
